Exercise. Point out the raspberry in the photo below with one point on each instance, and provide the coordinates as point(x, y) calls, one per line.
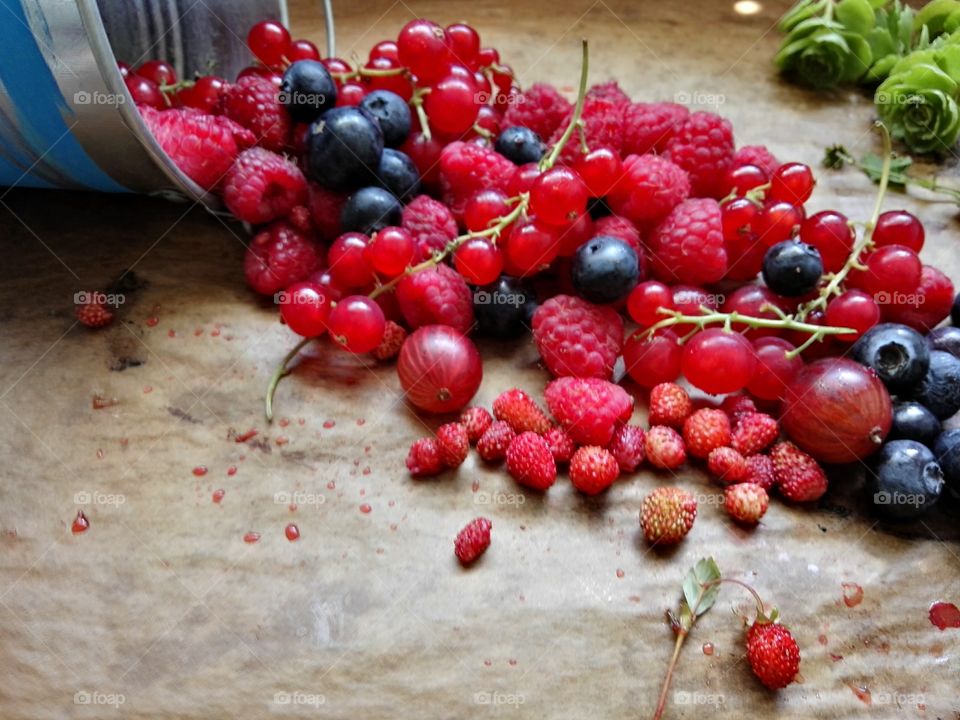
point(736, 406)
point(530, 462)
point(610, 91)
point(664, 447)
point(648, 127)
point(92, 312)
point(706, 430)
point(602, 126)
point(620, 227)
point(588, 408)
point(430, 223)
point(650, 187)
point(754, 432)
point(476, 420)
point(423, 459)
point(393, 337)
point(467, 168)
point(277, 257)
point(540, 108)
point(727, 465)
point(626, 446)
point(667, 514)
point(262, 186)
point(454, 444)
point(254, 103)
point(326, 207)
point(670, 405)
point(299, 217)
point(687, 246)
point(756, 155)
point(577, 338)
point(799, 477)
point(473, 540)
point(746, 502)
point(560, 443)
point(492, 445)
point(703, 146)
point(773, 654)
point(202, 146)
point(593, 469)
point(760, 471)
point(436, 296)
point(520, 411)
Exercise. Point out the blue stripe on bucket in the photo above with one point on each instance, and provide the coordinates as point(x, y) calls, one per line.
point(42, 116)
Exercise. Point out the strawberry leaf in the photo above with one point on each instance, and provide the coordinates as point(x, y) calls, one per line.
point(698, 592)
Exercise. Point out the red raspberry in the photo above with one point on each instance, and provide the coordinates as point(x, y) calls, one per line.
point(520, 411)
point(610, 91)
point(588, 408)
point(593, 469)
point(650, 187)
point(431, 224)
point(773, 654)
point(667, 514)
point(727, 465)
point(626, 446)
point(602, 126)
point(92, 311)
point(669, 405)
point(754, 432)
point(466, 168)
point(473, 540)
point(760, 471)
point(736, 406)
point(703, 146)
point(253, 102)
point(393, 337)
point(560, 443)
point(262, 186)
point(799, 477)
point(687, 247)
point(648, 127)
point(620, 227)
point(530, 462)
point(423, 459)
point(757, 155)
point(278, 257)
point(664, 448)
point(454, 444)
point(202, 146)
point(706, 430)
point(540, 108)
point(577, 338)
point(492, 445)
point(299, 216)
point(476, 420)
point(326, 207)
point(436, 296)
point(746, 502)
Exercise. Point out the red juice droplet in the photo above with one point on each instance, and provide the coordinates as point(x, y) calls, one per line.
point(215, 332)
point(152, 321)
point(488, 663)
point(284, 422)
point(292, 507)
point(365, 471)
point(171, 333)
point(391, 503)
point(475, 485)
point(360, 421)
point(232, 470)
point(331, 485)
point(99, 454)
point(200, 470)
point(822, 639)
point(99, 402)
point(944, 615)
point(147, 389)
point(707, 648)
point(282, 440)
point(620, 572)
point(301, 421)
point(365, 509)
point(329, 424)
point(251, 537)
point(852, 594)
point(292, 532)
point(218, 495)
point(198, 332)
point(835, 657)
point(862, 692)
point(248, 435)
point(80, 523)
point(512, 661)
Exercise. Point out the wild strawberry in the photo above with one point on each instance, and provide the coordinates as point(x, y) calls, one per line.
point(664, 447)
point(746, 502)
point(91, 311)
point(727, 465)
point(492, 445)
point(706, 430)
point(773, 654)
point(476, 420)
point(593, 469)
point(588, 408)
point(754, 432)
point(393, 337)
point(667, 514)
point(520, 411)
point(760, 471)
point(799, 477)
point(530, 462)
point(626, 446)
point(560, 443)
point(670, 405)
point(473, 540)
point(454, 444)
point(423, 459)
point(736, 406)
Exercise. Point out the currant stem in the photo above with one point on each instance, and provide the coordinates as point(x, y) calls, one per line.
point(368, 72)
point(417, 102)
point(729, 319)
point(549, 161)
point(278, 374)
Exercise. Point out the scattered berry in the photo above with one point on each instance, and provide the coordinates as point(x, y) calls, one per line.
point(754, 432)
point(648, 127)
point(436, 296)
point(760, 472)
point(473, 540)
point(476, 420)
point(670, 405)
point(262, 186)
point(687, 246)
point(454, 444)
point(254, 103)
point(560, 443)
point(577, 338)
point(466, 169)
point(667, 514)
point(492, 445)
point(773, 654)
point(588, 408)
point(605, 270)
point(727, 465)
point(664, 448)
point(520, 411)
point(703, 146)
point(530, 462)
point(91, 311)
point(593, 469)
point(650, 187)
point(393, 337)
point(746, 502)
point(431, 224)
point(540, 108)
point(627, 447)
point(277, 257)
point(705, 430)
point(424, 460)
point(799, 477)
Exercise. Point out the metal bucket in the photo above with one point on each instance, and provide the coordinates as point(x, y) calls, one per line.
point(66, 118)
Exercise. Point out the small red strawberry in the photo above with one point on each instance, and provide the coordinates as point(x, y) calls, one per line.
point(476, 420)
point(423, 459)
point(560, 444)
point(773, 654)
point(393, 337)
point(492, 445)
point(736, 406)
point(520, 411)
point(91, 311)
point(593, 469)
point(627, 447)
point(588, 408)
point(754, 432)
point(706, 430)
point(727, 465)
point(454, 444)
point(530, 462)
point(667, 514)
point(799, 477)
point(670, 405)
point(760, 471)
point(473, 540)
point(746, 502)
point(664, 448)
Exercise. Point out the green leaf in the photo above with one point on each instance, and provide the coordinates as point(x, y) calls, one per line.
point(948, 60)
point(872, 166)
point(856, 15)
point(881, 42)
point(878, 4)
point(879, 71)
point(952, 23)
point(934, 14)
point(859, 60)
point(698, 598)
point(803, 10)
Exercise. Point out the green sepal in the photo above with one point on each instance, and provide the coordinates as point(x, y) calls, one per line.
point(855, 15)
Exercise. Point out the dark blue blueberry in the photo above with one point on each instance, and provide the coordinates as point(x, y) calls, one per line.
point(344, 148)
point(398, 174)
point(947, 450)
point(369, 210)
point(946, 339)
point(955, 312)
point(912, 421)
point(904, 480)
point(520, 145)
point(307, 90)
point(792, 268)
point(392, 114)
point(899, 355)
point(504, 308)
point(605, 269)
point(939, 389)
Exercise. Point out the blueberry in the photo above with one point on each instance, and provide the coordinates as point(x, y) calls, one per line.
point(307, 90)
point(520, 145)
point(792, 268)
point(504, 308)
point(904, 480)
point(369, 210)
point(344, 148)
point(947, 449)
point(899, 355)
point(605, 269)
point(912, 421)
point(955, 312)
point(939, 389)
point(946, 339)
point(392, 114)
point(398, 174)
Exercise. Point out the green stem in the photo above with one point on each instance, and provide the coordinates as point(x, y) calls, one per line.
point(729, 319)
point(662, 701)
point(417, 102)
point(279, 373)
point(549, 161)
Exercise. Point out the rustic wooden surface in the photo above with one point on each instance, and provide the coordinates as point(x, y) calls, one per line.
point(163, 603)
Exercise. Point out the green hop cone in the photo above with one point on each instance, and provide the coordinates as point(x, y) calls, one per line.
point(918, 102)
point(823, 53)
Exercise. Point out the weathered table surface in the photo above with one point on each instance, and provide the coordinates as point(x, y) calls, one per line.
point(163, 605)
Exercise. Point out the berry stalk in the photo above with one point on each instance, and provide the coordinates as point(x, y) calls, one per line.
point(551, 159)
point(279, 373)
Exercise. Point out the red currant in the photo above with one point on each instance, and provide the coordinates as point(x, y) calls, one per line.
point(892, 269)
point(357, 323)
point(348, 263)
point(425, 155)
point(452, 104)
point(160, 72)
point(736, 216)
point(774, 368)
point(203, 94)
point(385, 48)
point(478, 261)
point(464, 44)
point(145, 92)
point(599, 169)
point(655, 360)
point(530, 248)
point(522, 179)
point(350, 94)
point(305, 307)
point(337, 66)
point(777, 222)
point(743, 178)
point(269, 42)
point(689, 299)
point(576, 234)
point(755, 301)
point(488, 56)
point(488, 119)
point(792, 183)
point(303, 50)
point(423, 46)
point(927, 306)
point(398, 84)
point(259, 71)
point(899, 227)
point(718, 361)
point(390, 251)
point(646, 300)
point(830, 233)
point(324, 280)
point(502, 77)
point(483, 208)
point(558, 196)
point(853, 309)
